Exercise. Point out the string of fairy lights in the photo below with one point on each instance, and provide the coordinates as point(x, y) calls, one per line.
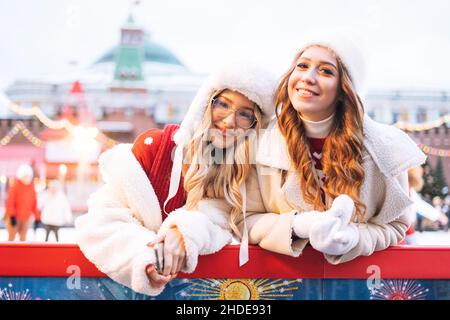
point(49, 123)
point(70, 128)
point(443, 153)
point(20, 127)
point(424, 126)
point(417, 127)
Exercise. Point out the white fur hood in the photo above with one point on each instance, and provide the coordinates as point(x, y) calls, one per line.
point(250, 79)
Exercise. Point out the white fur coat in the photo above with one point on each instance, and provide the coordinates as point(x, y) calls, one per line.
point(124, 216)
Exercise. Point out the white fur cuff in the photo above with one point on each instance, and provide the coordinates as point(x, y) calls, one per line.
point(193, 227)
point(139, 280)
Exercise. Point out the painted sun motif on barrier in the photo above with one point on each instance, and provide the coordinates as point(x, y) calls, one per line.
point(241, 289)
point(399, 290)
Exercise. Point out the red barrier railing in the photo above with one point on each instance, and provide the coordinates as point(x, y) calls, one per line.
point(399, 262)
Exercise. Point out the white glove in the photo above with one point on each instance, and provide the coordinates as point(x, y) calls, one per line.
point(333, 237)
point(304, 220)
point(342, 208)
point(336, 235)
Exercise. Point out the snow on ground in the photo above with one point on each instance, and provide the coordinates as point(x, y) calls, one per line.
point(67, 235)
point(433, 238)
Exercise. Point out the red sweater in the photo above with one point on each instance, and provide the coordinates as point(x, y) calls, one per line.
point(153, 150)
point(21, 201)
point(316, 148)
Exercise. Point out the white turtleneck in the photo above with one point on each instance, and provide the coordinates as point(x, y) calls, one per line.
point(318, 129)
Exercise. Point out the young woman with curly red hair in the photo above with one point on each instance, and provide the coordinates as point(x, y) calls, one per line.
point(339, 178)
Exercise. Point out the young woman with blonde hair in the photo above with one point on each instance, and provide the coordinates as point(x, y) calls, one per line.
point(173, 185)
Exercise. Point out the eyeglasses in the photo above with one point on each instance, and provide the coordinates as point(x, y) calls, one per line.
point(245, 117)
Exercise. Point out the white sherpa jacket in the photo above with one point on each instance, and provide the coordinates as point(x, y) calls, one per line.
point(388, 154)
point(124, 216)
point(207, 229)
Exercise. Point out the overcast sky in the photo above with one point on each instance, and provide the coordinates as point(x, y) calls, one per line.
point(408, 40)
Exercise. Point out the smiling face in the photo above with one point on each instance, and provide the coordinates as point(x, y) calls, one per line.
point(231, 114)
point(313, 84)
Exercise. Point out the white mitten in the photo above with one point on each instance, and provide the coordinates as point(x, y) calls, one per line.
point(342, 208)
point(304, 220)
point(334, 238)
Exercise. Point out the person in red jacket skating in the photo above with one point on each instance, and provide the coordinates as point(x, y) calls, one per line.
point(21, 204)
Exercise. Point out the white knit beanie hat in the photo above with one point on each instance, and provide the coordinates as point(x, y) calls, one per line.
point(349, 47)
point(24, 171)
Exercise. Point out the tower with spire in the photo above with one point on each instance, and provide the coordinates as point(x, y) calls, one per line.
point(128, 73)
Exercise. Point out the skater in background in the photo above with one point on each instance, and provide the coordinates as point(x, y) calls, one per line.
point(21, 204)
point(55, 209)
point(424, 210)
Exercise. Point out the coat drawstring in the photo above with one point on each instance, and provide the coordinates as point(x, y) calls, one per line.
point(243, 249)
point(175, 177)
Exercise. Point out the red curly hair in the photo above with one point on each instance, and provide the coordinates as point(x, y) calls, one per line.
point(343, 148)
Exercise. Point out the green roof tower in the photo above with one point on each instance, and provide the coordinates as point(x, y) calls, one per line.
point(129, 58)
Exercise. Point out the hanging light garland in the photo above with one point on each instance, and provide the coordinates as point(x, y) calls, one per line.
point(443, 153)
point(67, 125)
point(52, 124)
point(424, 125)
point(427, 126)
point(36, 111)
point(20, 127)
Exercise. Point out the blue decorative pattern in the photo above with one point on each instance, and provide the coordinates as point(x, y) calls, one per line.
point(60, 288)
